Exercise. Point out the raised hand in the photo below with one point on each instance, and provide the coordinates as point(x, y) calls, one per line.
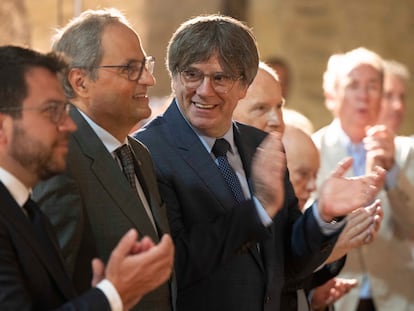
point(331, 291)
point(136, 268)
point(361, 228)
point(339, 195)
point(268, 171)
point(380, 147)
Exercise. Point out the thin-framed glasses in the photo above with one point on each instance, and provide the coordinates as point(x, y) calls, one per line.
point(221, 82)
point(55, 110)
point(134, 69)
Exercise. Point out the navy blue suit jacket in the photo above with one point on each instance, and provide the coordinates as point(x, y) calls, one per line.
point(218, 265)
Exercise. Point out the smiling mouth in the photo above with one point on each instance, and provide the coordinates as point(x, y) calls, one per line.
point(202, 106)
point(136, 96)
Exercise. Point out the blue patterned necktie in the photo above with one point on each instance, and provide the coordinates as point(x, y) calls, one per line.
point(220, 148)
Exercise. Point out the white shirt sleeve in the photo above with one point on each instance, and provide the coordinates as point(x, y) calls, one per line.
point(111, 294)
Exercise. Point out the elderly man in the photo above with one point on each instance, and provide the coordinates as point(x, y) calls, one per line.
point(353, 84)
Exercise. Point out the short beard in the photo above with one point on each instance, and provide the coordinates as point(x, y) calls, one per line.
point(33, 155)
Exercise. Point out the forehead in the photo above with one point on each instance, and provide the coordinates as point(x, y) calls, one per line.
point(119, 42)
point(264, 88)
point(42, 85)
point(365, 71)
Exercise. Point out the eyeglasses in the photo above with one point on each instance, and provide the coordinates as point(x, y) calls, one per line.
point(55, 110)
point(221, 82)
point(134, 69)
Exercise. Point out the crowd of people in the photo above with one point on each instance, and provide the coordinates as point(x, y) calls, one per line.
point(224, 201)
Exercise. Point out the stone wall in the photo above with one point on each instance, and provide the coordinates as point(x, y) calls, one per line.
point(304, 32)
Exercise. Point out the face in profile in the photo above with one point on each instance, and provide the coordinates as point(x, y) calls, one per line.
point(303, 162)
point(262, 105)
point(393, 103)
point(39, 140)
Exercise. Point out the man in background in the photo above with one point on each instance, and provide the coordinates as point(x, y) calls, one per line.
point(353, 84)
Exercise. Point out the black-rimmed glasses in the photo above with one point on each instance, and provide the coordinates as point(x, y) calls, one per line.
point(55, 110)
point(134, 69)
point(221, 82)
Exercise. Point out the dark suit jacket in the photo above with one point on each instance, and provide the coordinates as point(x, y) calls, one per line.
point(33, 277)
point(217, 263)
point(93, 206)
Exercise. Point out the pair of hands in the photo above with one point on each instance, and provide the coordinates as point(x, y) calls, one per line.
point(136, 267)
point(338, 195)
point(331, 291)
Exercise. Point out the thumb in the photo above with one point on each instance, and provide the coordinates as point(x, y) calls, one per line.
point(342, 167)
point(98, 270)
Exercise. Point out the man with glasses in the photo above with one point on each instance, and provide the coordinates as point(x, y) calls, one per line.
point(35, 128)
point(232, 211)
point(109, 186)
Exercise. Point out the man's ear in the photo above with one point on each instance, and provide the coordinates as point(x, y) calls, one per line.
point(79, 81)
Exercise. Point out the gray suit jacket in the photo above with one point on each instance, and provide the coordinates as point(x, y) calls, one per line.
point(92, 206)
point(387, 260)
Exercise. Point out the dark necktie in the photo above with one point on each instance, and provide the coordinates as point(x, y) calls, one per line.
point(40, 225)
point(131, 169)
point(220, 148)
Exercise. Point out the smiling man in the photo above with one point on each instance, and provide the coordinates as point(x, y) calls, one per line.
point(233, 214)
point(109, 185)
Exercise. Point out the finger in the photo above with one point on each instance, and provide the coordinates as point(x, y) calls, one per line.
point(342, 167)
point(125, 245)
point(98, 271)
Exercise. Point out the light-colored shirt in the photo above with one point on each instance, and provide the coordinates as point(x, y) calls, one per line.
point(111, 144)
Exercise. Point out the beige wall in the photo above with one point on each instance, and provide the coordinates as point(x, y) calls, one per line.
point(304, 32)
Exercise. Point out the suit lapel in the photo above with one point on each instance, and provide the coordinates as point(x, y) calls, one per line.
point(107, 170)
point(196, 156)
point(50, 258)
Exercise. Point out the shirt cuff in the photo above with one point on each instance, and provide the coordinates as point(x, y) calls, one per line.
point(111, 294)
point(327, 228)
point(263, 215)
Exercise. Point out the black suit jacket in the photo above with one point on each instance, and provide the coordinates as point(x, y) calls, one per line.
point(33, 277)
point(92, 206)
point(217, 262)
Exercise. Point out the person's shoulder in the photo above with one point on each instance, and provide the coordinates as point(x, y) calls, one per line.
point(245, 129)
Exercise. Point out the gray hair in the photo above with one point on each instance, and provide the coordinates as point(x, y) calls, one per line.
point(392, 67)
point(80, 41)
point(199, 38)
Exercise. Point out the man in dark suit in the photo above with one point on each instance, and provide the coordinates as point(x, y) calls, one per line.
point(236, 240)
point(95, 202)
point(34, 133)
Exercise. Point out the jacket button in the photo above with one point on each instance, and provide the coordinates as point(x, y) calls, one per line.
point(267, 299)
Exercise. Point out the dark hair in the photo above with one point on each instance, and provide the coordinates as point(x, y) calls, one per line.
point(81, 41)
point(15, 62)
point(199, 38)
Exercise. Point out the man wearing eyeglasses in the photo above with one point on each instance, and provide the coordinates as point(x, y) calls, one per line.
point(234, 218)
point(109, 186)
point(34, 135)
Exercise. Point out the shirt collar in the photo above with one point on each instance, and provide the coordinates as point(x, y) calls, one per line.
point(208, 141)
point(109, 141)
point(16, 188)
